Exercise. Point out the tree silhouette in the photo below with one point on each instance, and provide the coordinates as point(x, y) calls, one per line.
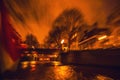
point(32, 41)
point(65, 23)
point(69, 19)
point(54, 37)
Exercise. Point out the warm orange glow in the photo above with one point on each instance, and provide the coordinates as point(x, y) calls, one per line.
point(33, 65)
point(23, 45)
point(56, 63)
point(24, 64)
point(75, 35)
point(33, 62)
point(63, 72)
point(62, 41)
point(41, 14)
point(40, 59)
point(102, 37)
point(101, 77)
point(55, 55)
point(28, 54)
point(46, 58)
point(35, 55)
point(33, 69)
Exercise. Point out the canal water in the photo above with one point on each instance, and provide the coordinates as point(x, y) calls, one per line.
point(58, 71)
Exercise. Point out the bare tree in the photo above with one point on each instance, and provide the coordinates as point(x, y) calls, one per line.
point(65, 23)
point(32, 41)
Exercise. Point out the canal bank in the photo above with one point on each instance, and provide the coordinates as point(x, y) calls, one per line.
point(99, 57)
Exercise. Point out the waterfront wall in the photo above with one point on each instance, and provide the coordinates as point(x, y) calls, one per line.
point(100, 57)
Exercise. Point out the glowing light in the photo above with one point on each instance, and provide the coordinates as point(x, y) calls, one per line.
point(24, 64)
point(54, 55)
point(47, 58)
point(23, 45)
point(33, 65)
point(33, 69)
point(56, 63)
point(40, 59)
point(28, 54)
point(33, 62)
point(102, 37)
point(75, 35)
point(101, 77)
point(63, 73)
point(62, 41)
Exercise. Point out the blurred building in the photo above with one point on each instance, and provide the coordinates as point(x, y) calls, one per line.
point(76, 35)
point(92, 38)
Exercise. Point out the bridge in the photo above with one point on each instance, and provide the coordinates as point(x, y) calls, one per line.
point(99, 57)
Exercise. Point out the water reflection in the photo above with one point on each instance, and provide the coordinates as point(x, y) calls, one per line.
point(101, 77)
point(69, 73)
point(55, 72)
point(61, 73)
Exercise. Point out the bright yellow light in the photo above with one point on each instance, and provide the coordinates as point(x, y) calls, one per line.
point(62, 41)
point(24, 64)
point(102, 37)
point(33, 62)
point(56, 63)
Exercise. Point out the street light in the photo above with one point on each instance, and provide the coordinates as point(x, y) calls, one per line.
point(62, 41)
point(63, 46)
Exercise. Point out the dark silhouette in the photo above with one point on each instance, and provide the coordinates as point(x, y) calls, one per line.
point(32, 41)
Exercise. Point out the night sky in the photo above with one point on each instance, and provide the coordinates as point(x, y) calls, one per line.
point(36, 16)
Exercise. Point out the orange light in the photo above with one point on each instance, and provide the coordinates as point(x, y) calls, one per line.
point(28, 54)
point(40, 59)
point(33, 68)
point(102, 37)
point(33, 62)
point(24, 64)
point(62, 41)
point(47, 58)
point(32, 65)
point(23, 45)
point(101, 77)
point(56, 63)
